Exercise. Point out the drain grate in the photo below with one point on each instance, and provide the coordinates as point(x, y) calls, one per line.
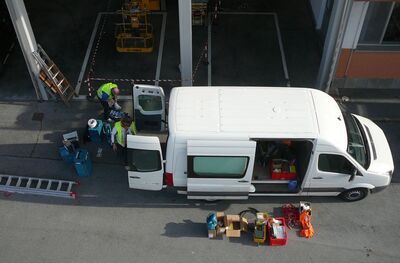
point(37, 116)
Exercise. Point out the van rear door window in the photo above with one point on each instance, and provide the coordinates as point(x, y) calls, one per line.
point(144, 160)
point(150, 103)
point(217, 166)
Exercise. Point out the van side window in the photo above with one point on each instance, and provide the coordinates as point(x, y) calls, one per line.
point(144, 160)
point(334, 163)
point(217, 166)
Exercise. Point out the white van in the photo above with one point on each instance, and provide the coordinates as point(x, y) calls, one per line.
point(236, 142)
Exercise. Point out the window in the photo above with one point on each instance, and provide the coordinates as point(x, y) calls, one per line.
point(381, 24)
point(150, 103)
point(334, 164)
point(144, 160)
point(217, 166)
point(356, 141)
point(392, 33)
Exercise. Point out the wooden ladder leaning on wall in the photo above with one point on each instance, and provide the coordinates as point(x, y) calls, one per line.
point(51, 75)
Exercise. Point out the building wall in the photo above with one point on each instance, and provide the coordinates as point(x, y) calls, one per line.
point(368, 64)
point(365, 67)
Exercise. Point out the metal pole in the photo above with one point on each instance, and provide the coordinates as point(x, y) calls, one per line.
point(160, 49)
point(185, 37)
point(333, 42)
point(27, 42)
point(163, 5)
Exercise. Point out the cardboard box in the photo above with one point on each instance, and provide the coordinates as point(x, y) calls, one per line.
point(220, 228)
point(234, 225)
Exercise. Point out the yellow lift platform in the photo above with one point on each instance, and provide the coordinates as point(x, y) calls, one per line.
point(199, 12)
point(135, 33)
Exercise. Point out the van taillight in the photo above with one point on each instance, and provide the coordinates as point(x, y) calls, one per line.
point(168, 179)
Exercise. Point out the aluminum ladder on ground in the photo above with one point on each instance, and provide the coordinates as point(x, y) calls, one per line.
point(37, 186)
point(51, 75)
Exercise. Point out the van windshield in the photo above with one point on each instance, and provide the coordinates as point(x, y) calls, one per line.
point(356, 140)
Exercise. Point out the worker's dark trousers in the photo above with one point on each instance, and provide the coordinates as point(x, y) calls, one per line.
point(122, 152)
point(106, 109)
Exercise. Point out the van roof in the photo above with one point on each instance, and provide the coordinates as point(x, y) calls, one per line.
point(257, 112)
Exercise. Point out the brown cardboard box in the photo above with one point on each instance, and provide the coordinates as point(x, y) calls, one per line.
point(232, 224)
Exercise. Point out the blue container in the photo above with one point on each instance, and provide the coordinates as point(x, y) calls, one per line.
point(107, 132)
point(66, 155)
point(82, 162)
point(212, 221)
point(95, 133)
point(292, 185)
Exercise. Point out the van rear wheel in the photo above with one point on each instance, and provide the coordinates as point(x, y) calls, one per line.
point(355, 194)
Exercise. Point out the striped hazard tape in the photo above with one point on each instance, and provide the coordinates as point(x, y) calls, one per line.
point(131, 80)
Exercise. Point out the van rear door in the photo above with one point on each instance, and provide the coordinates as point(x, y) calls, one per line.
point(219, 169)
point(149, 107)
point(145, 162)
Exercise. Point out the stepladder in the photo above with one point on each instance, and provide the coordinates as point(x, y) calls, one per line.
point(37, 186)
point(52, 76)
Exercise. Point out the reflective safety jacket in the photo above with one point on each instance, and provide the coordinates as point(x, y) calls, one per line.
point(120, 136)
point(105, 91)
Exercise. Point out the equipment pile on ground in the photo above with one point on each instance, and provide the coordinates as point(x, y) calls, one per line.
point(265, 228)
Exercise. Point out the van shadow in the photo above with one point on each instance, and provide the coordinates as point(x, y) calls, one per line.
point(187, 228)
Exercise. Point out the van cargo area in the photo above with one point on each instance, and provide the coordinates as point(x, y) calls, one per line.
point(288, 158)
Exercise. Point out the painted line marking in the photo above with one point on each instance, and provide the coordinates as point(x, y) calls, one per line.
point(278, 33)
point(88, 51)
point(120, 98)
point(247, 13)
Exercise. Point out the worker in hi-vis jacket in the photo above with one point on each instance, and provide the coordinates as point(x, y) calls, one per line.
point(119, 135)
point(107, 95)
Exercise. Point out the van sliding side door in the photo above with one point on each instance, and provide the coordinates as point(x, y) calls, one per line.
point(219, 169)
point(145, 162)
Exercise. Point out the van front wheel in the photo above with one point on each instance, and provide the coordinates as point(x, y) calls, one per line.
point(355, 194)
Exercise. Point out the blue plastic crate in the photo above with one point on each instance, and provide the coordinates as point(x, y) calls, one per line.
point(95, 133)
point(66, 155)
point(82, 162)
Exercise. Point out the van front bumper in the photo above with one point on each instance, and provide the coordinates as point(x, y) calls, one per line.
point(378, 189)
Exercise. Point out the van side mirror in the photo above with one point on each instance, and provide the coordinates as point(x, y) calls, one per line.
point(353, 174)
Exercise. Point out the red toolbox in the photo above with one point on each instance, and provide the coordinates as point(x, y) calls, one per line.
point(282, 170)
point(277, 235)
